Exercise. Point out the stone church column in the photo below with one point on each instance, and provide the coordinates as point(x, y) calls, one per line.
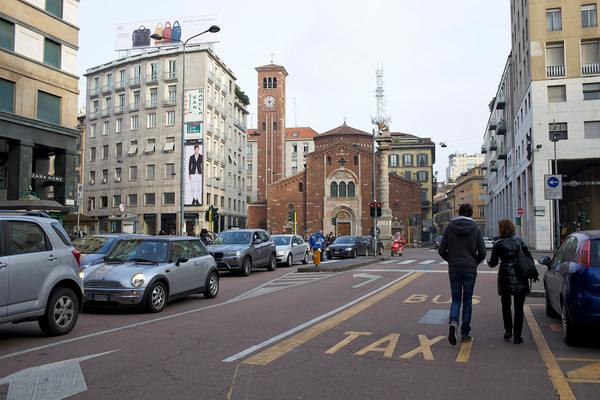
point(384, 223)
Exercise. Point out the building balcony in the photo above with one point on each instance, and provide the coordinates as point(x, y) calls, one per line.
point(152, 78)
point(553, 71)
point(493, 145)
point(106, 112)
point(135, 81)
point(120, 85)
point(134, 107)
point(590, 69)
point(492, 125)
point(119, 109)
point(168, 102)
point(95, 91)
point(500, 104)
point(502, 154)
point(170, 76)
point(239, 124)
point(94, 114)
point(501, 128)
point(107, 88)
point(483, 150)
point(493, 166)
point(151, 104)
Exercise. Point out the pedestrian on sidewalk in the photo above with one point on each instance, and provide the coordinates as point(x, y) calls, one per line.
point(463, 248)
point(510, 284)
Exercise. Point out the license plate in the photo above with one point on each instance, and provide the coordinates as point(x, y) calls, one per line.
point(100, 297)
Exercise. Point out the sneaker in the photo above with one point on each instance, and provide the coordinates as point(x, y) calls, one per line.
point(466, 338)
point(452, 333)
point(518, 340)
point(507, 336)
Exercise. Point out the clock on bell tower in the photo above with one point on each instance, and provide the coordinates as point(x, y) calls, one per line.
point(270, 144)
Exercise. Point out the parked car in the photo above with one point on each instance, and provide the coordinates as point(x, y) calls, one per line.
point(489, 242)
point(437, 241)
point(347, 246)
point(291, 249)
point(370, 250)
point(572, 283)
point(93, 248)
point(241, 250)
point(38, 273)
point(151, 271)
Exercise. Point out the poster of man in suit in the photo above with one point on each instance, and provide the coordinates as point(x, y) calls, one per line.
point(193, 180)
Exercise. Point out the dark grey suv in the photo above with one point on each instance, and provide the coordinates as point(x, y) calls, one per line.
point(241, 250)
point(38, 273)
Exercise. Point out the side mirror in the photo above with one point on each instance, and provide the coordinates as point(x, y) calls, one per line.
point(181, 260)
point(256, 241)
point(547, 261)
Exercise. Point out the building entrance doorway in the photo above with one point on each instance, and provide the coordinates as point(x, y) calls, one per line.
point(343, 229)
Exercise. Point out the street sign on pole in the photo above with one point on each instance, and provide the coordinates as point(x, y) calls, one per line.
point(520, 211)
point(552, 187)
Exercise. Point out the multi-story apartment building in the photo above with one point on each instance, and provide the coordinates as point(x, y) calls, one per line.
point(133, 147)
point(38, 99)
point(551, 93)
point(412, 158)
point(298, 143)
point(459, 163)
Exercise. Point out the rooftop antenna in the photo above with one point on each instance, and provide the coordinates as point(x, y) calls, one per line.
point(272, 54)
point(295, 114)
point(381, 118)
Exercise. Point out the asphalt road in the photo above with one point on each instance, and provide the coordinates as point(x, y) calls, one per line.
point(373, 332)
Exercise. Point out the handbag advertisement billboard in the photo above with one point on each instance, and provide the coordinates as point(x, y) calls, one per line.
point(136, 35)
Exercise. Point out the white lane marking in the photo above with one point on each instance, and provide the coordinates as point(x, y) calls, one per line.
point(370, 278)
point(424, 271)
point(274, 339)
point(407, 262)
point(288, 280)
point(53, 381)
point(427, 262)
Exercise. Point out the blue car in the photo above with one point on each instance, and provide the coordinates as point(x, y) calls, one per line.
point(572, 284)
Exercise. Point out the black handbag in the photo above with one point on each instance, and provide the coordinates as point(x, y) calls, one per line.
point(525, 266)
point(141, 37)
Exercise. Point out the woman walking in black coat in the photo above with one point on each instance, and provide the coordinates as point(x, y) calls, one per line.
point(509, 284)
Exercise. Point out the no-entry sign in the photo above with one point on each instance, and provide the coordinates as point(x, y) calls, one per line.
point(520, 211)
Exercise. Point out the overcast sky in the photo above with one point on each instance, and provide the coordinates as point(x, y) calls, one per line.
point(442, 60)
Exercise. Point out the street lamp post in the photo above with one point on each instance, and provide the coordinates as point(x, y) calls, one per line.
point(212, 29)
point(374, 199)
point(556, 209)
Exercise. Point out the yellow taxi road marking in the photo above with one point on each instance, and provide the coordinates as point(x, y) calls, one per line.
point(278, 350)
point(424, 348)
point(465, 351)
point(588, 373)
point(556, 376)
point(388, 351)
point(351, 336)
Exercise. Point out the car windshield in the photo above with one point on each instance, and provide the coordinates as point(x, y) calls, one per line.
point(156, 251)
point(344, 240)
point(233, 238)
point(281, 240)
point(93, 244)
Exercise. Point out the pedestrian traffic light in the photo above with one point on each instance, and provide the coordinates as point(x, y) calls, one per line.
point(518, 220)
point(215, 214)
point(372, 208)
point(292, 216)
point(333, 221)
point(379, 209)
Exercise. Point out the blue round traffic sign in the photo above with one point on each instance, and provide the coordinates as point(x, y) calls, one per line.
point(316, 240)
point(553, 182)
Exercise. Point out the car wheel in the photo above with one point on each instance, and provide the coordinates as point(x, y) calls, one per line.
point(550, 312)
point(569, 331)
point(306, 258)
point(246, 266)
point(61, 313)
point(353, 253)
point(289, 262)
point(272, 263)
point(157, 298)
point(212, 286)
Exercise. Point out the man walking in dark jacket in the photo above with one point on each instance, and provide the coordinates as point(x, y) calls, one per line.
point(463, 247)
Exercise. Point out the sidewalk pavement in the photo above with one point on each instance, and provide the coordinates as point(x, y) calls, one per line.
point(345, 264)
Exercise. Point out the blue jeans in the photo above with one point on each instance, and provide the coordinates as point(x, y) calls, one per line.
point(462, 285)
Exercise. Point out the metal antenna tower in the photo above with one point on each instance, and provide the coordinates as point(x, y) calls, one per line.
point(381, 117)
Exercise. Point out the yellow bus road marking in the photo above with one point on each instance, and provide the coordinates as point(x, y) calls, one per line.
point(556, 376)
point(278, 350)
point(465, 351)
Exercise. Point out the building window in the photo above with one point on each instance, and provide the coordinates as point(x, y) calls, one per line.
point(150, 172)
point(591, 91)
point(588, 16)
point(328, 160)
point(119, 150)
point(591, 130)
point(555, 59)
point(149, 199)
point(169, 199)
point(51, 53)
point(133, 173)
point(7, 30)
point(300, 187)
point(105, 128)
point(92, 154)
point(54, 7)
point(407, 160)
point(105, 152)
point(590, 59)
point(135, 105)
point(116, 200)
point(481, 212)
point(423, 194)
point(134, 122)
point(334, 189)
point(422, 160)
point(351, 189)
point(170, 118)
point(342, 189)
point(355, 160)
point(264, 126)
point(422, 176)
point(553, 20)
point(103, 201)
point(169, 171)
point(274, 126)
point(557, 94)
point(152, 120)
point(7, 95)
point(407, 174)
point(394, 160)
point(558, 130)
point(48, 108)
point(132, 200)
point(119, 125)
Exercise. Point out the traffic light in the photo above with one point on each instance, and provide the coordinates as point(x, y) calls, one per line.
point(292, 216)
point(333, 221)
point(215, 214)
point(207, 215)
point(372, 208)
point(518, 220)
point(410, 221)
point(379, 209)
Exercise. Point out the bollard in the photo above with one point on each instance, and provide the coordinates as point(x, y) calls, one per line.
point(316, 257)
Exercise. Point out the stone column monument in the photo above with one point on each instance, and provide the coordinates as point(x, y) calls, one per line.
point(384, 223)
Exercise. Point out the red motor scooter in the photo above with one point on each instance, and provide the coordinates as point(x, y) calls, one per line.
point(398, 245)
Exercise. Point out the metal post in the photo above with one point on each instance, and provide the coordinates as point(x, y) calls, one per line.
point(374, 197)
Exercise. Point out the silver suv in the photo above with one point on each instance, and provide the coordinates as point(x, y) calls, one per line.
point(241, 250)
point(38, 272)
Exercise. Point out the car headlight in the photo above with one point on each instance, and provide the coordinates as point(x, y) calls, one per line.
point(232, 254)
point(280, 253)
point(348, 249)
point(137, 279)
point(82, 274)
